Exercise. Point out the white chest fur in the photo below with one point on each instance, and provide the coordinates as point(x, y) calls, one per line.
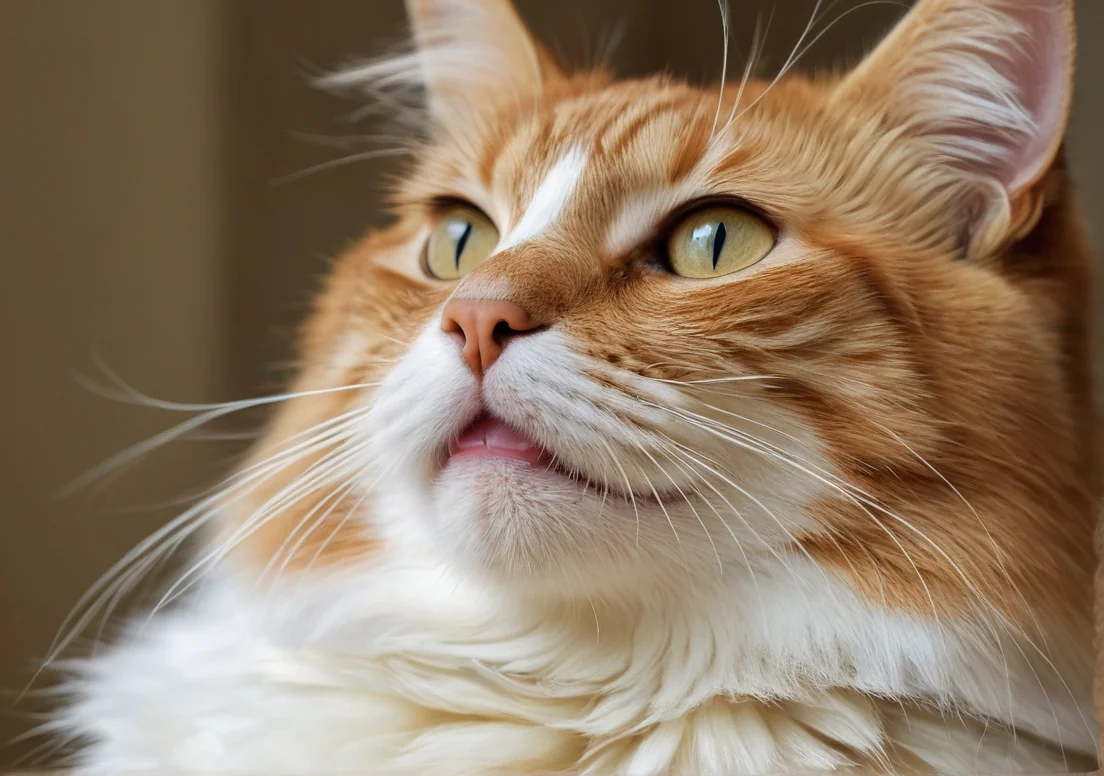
point(413, 671)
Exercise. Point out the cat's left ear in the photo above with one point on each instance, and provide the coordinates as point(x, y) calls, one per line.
point(475, 53)
point(985, 83)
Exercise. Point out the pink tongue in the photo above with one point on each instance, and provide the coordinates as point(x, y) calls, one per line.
point(491, 438)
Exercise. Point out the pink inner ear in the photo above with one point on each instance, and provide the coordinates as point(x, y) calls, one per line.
point(1041, 68)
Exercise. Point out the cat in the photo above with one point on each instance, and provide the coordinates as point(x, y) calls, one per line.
point(668, 429)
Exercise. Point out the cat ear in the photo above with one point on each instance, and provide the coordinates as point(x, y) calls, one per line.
point(987, 83)
point(475, 52)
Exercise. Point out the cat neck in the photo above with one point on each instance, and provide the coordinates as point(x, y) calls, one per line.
point(794, 636)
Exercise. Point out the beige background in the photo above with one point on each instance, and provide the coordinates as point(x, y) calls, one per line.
point(140, 226)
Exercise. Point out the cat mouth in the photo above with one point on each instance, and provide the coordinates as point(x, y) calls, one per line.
point(489, 439)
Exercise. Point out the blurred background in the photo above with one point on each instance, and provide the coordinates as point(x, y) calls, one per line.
point(171, 191)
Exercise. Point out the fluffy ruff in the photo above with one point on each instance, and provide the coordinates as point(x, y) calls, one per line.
point(411, 670)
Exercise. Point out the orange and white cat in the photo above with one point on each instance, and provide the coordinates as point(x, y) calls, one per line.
point(668, 430)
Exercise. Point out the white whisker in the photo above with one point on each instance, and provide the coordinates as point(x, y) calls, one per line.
point(364, 156)
point(758, 44)
point(209, 412)
point(122, 576)
point(628, 487)
point(690, 504)
point(305, 528)
point(723, 6)
point(318, 472)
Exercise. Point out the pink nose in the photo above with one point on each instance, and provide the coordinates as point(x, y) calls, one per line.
point(484, 326)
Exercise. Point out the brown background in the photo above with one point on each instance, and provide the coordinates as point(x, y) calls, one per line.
point(141, 225)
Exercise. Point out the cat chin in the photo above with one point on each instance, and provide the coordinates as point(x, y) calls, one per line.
point(512, 519)
point(538, 532)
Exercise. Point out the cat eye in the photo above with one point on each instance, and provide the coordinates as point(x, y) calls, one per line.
point(719, 240)
point(459, 243)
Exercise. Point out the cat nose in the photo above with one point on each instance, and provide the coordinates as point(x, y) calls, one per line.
point(484, 326)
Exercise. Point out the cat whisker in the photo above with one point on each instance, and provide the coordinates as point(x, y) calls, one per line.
point(324, 545)
point(352, 486)
point(169, 537)
point(315, 475)
point(303, 530)
point(208, 413)
point(628, 487)
point(723, 7)
point(716, 429)
point(128, 394)
point(666, 515)
point(171, 543)
point(613, 40)
point(799, 51)
point(715, 380)
point(377, 153)
point(758, 44)
point(1043, 651)
point(345, 142)
point(692, 461)
point(708, 466)
point(790, 61)
point(998, 554)
point(690, 504)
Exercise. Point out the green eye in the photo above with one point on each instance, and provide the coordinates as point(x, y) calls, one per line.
point(462, 239)
point(718, 241)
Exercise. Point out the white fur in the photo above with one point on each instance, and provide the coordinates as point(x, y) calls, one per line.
point(550, 198)
point(411, 669)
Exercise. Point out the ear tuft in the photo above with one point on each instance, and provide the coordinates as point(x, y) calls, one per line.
point(474, 52)
point(469, 57)
point(985, 83)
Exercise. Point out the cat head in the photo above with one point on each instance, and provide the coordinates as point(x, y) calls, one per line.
point(637, 336)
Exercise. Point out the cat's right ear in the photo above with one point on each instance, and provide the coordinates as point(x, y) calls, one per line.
point(983, 85)
point(474, 54)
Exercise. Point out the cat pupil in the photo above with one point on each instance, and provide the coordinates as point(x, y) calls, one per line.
point(718, 242)
point(461, 241)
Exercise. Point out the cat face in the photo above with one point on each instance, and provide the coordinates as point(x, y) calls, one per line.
point(650, 419)
point(639, 336)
